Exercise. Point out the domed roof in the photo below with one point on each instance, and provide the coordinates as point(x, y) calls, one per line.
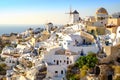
point(101, 11)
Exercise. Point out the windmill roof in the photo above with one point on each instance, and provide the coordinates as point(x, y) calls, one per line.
point(75, 12)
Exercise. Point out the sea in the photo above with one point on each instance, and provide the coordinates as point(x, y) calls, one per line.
point(7, 29)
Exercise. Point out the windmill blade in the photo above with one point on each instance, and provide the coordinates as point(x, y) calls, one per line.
point(70, 12)
point(67, 13)
point(70, 9)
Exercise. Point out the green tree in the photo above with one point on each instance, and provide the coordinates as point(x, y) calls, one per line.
point(90, 60)
point(81, 61)
point(83, 64)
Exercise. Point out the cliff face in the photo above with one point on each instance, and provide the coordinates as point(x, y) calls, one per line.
point(106, 72)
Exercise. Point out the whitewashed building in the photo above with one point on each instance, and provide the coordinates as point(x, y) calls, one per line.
point(57, 66)
point(117, 38)
point(74, 17)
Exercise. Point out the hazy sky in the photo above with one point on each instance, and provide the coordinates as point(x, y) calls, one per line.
point(43, 11)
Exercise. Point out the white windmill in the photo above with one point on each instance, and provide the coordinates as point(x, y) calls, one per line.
point(74, 16)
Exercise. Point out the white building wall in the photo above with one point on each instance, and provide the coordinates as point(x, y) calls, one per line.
point(118, 32)
point(55, 71)
point(117, 39)
point(60, 59)
point(86, 49)
point(74, 18)
point(48, 56)
point(64, 59)
point(11, 61)
point(79, 26)
point(49, 26)
point(59, 64)
point(19, 46)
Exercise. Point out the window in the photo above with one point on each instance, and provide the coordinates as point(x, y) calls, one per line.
point(119, 31)
point(10, 61)
point(13, 61)
point(60, 61)
point(54, 60)
point(105, 24)
point(67, 57)
point(60, 44)
point(61, 71)
point(64, 61)
point(67, 62)
point(57, 62)
point(56, 71)
point(68, 43)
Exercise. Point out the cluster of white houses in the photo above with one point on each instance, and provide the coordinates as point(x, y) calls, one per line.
point(61, 48)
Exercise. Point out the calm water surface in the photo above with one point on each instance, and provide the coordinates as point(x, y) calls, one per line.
point(6, 29)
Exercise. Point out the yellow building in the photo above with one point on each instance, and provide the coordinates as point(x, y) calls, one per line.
point(96, 30)
point(88, 37)
point(114, 21)
point(111, 29)
point(45, 35)
point(112, 50)
point(97, 25)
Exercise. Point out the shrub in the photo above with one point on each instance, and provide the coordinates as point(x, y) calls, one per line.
point(90, 61)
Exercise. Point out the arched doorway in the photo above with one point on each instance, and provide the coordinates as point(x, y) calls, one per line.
point(97, 70)
point(57, 62)
point(61, 71)
point(67, 62)
point(92, 31)
point(84, 41)
point(118, 59)
point(82, 53)
point(110, 73)
point(109, 77)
